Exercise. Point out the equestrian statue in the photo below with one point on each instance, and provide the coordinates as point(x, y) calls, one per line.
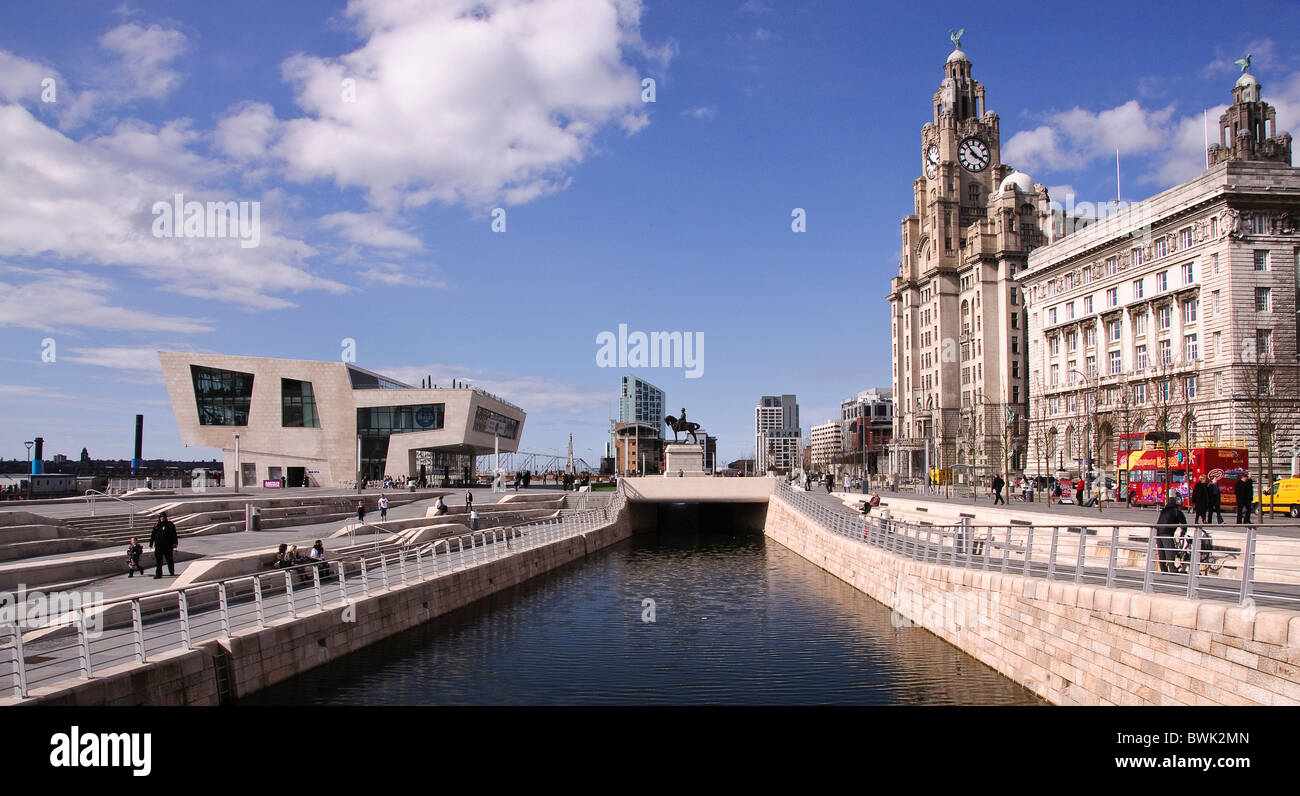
point(682, 424)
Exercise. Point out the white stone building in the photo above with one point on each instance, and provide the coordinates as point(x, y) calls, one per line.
point(826, 445)
point(1177, 313)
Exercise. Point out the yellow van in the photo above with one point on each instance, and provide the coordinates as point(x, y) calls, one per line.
point(1283, 496)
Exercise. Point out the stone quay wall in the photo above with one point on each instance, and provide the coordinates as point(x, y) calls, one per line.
point(1072, 644)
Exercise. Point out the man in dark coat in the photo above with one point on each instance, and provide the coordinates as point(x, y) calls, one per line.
point(1171, 517)
point(1244, 489)
point(998, 483)
point(1216, 502)
point(163, 541)
point(1201, 499)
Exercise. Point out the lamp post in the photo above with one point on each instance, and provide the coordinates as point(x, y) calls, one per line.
point(29, 445)
point(238, 476)
point(1092, 385)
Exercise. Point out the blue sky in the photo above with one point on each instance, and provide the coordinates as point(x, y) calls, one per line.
point(376, 214)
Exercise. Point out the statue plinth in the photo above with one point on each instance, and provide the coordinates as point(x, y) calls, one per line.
point(683, 460)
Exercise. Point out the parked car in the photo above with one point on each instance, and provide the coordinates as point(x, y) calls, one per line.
point(1282, 496)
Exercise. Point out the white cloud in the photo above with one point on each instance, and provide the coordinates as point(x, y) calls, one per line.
point(370, 229)
point(52, 300)
point(701, 112)
point(141, 360)
point(247, 131)
point(533, 393)
point(399, 274)
point(473, 102)
point(32, 393)
point(1075, 138)
point(145, 54)
point(20, 79)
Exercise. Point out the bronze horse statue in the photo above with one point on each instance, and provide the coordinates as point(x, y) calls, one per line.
point(682, 424)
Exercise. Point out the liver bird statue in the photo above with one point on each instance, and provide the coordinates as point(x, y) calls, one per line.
point(1244, 63)
point(955, 37)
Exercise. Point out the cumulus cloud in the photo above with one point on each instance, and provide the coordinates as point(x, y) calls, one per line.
point(370, 229)
point(472, 102)
point(145, 55)
point(246, 131)
point(20, 79)
point(1075, 138)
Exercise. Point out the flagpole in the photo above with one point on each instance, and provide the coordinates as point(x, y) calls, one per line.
point(1205, 118)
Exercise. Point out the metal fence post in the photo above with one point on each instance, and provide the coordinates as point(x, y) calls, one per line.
point(1247, 564)
point(257, 600)
point(223, 608)
point(419, 564)
point(183, 610)
point(1029, 549)
point(401, 564)
point(383, 569)
point(83, 645)
point(288, 593)
point(1006, 551)
point(1194, 565)
point(315, 582)
point(1051, 560)
point(365, 578)
point(137, 631)
point(967, 543)
point(20, 663)
point(1083, 551)
point(1147, 574)
point(1114, 556)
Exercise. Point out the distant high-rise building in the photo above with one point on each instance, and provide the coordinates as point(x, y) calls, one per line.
point(777, 438)
point(641, 402)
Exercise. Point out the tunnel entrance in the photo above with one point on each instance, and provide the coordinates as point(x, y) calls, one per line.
point(710, 517)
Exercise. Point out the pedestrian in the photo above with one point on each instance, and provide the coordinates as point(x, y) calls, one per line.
point(133, 552)
point(469, 499)
point(1201, 499)
point(1078, 493)
point(1244, 491)
point(1171, 517)
point(1216, 501)
point(361, 511)
point(518, 480)
point(383, 507)
point(998, 483)
point(163, 541)
point(439, 507)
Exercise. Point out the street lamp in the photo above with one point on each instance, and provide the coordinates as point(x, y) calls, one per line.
point(237, 475)
point(29, 445)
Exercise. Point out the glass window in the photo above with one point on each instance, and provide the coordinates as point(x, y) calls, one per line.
point(1141, 352)
point(1189, 347)
point(222, 396)
point(1116, 362)
point(1166, 352)
point(1189, 311)
point(1189, 274)
point(1162, 281)
point(489, 422)
point(375, 424)
point(1165, 317)
point(297, 405)
point(1262, 303)
point(1261, 259)
point(1137, 288)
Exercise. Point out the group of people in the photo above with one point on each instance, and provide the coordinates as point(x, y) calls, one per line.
point(1206, 499)
point(163, 540)
point(288, 556)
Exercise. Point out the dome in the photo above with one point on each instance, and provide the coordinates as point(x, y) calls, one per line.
point(1019, 181)
point(1247, 79)
point(957, 55)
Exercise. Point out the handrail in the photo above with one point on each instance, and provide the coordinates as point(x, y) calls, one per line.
point(91, 494)
point(164, 620)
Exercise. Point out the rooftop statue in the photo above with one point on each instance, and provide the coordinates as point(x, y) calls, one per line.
point(682, 424)
point(955, 37)
point(1244, 63)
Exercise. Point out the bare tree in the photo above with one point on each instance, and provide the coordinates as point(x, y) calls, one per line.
point(1131, 417)
point(1265, 389)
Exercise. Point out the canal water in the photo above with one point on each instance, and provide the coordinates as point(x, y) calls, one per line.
point(738, 619)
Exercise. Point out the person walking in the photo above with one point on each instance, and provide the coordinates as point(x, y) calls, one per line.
point(1201, 499)
point(998, 483)
point(163, 542)
point(1171, 517)
point(469, 499)
point(1216, 501)
point(1244, 490)
point(383, 507)
point(361, 511)
point(133, 552)
point(1078, 492)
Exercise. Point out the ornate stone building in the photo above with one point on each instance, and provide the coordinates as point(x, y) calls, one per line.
point(1177, 313)
point(959, 354)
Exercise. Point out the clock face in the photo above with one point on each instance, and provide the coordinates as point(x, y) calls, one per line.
point(930, 170)
point(973, 154)
point(933, 153)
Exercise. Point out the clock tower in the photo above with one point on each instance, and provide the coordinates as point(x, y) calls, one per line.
point(959, 351)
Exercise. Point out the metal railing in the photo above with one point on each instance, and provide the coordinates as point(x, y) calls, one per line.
point(1240, 563)
point(137, 629)
point(94, 494)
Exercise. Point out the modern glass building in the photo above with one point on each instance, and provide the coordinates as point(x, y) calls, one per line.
point(322, 423)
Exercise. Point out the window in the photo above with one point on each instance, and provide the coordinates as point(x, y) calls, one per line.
point(1257, 223)
point(375, 424)
point(1015, 345)
point(1072, 341)
point(1264, 342)
point(1214, 233)
point(1189, 386)
point(1113, 331)
point(1185, 238)
point(1051, 316)
point(1015, 393)
point(297, 405)
point(1189, 311)
point(1090, 336)
point(1054, 345)
point(1071, 405)
point(1112, 266)
point(1162, 247)
point(1164, 317)
point(1116, 362)
point(1217, 347)
point(489, 422)
point(1069, 311)
point(1090, 366)
point(1164, 391)
point(1087, 305)
point(1263, 301)
point(1137, 255)
point(1015, 320)
point(1261, 259)
point(1137, 288)
point(1112, 297)
point(1140, 356)
point(1162, 281)
point(1189, 274)
point(1013, 296)
point(1139, 393)
point(1166, 352)
point(222, 397)
point(1056, 375)
point(1140, 325)
point(1265, 383)
point(974, 193)
point(1190, 351)
point(1015, 369)
point(1214, 305)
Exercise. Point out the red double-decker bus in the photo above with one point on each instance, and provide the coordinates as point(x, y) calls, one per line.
point(1151, 477)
